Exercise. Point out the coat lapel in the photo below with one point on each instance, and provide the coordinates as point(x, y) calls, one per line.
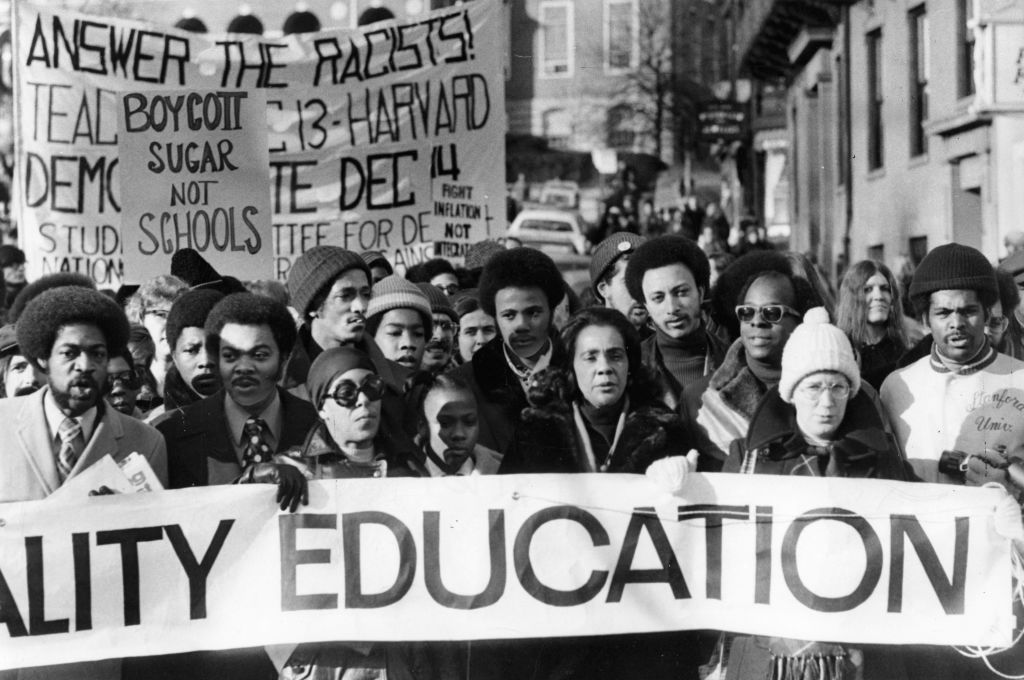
point(34, 436)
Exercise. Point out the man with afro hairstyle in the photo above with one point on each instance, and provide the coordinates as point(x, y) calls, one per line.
point(56, 433)
point(233, 435)
point(670, 275)
point(520, 288)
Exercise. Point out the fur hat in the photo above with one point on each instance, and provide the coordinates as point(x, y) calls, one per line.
point(953, 267)
point(816, 345)
point(190, 310)
point(58, 307)
point(664, 251)
point(316, 269)
point(520, 268)
point(45, 283)
point(394, 292)
point(608, 252)
point(439, 302)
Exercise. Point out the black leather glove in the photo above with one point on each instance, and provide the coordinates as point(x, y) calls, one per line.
point(102, 491)
point(292, 486)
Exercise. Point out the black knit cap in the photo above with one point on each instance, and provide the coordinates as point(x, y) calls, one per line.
point(45, 283)
point(316, 270)
point(246, 23)
point(953, 267)
point(301, 21)
point(664, 251)
point(190, 310)
point(53, 309)
point(520, 268)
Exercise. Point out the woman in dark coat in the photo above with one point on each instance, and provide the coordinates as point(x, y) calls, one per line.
point(818, 423)
point(602, 415)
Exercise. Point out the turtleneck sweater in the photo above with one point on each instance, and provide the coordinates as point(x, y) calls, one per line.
point(601, 421)
point(767, 373)
point(684, 358)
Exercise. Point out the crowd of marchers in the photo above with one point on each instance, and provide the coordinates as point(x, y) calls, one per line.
point(664, 366)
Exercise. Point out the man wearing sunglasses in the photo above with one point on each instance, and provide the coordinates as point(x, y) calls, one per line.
point(957, 412)
point(234, 435)
point(669, 275)
point(123, 383)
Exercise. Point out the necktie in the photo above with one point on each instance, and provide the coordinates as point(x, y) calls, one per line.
point(71, 446)
point(255, 448)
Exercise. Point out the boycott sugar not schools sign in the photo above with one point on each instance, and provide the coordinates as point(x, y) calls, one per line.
point(387, 138)
point(198, 163)
point(458, 558)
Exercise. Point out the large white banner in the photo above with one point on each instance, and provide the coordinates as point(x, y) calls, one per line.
point(501, 557)
point(390, 138)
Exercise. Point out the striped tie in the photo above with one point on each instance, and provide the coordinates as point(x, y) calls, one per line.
point(71, 446)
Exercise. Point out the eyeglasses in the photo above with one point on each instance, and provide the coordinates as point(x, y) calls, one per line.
point(445, 326)
point(772, 314)
point(450, 289)
point(347, 391)
point(162, 313)
point(814, 391)
point(130, 380)
point(997, 324)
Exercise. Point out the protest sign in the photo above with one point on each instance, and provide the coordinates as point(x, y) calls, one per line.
point(388, 138)
point(198, 166)
point(858, 561)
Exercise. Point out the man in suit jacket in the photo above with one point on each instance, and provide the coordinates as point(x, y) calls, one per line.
point(212, 442)
point(68, 333)
point(54, 434)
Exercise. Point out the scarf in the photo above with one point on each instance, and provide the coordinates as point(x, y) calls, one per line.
point(521, 369)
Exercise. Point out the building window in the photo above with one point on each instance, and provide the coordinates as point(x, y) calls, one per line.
point(620, 34)
point(877, 253)
point(621, 134)
point(965, 59)
point(556, 38)
point(842, 155)
point(918, 248)
point(557, 128)
point(919, 52)
point(876, 137)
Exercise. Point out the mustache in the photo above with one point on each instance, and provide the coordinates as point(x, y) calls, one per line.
point(442, 345)
point(84, 381)
point(25, 389)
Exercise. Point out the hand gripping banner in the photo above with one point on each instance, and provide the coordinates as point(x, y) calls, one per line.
point(501, 557)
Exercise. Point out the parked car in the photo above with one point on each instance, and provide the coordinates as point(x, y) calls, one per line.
point(551, 230)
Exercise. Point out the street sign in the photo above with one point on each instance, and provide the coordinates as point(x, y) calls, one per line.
point(722, 120)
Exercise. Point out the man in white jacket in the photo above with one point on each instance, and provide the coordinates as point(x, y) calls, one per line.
point(964, 399)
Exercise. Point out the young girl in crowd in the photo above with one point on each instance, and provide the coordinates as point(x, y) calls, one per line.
point(476, 327)
point(448, 428)
point(870, 312)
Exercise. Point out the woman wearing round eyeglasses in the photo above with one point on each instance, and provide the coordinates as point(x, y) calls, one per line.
point(815, 423)
point(347, 442)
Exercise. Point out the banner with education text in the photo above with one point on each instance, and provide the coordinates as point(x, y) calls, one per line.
point(387, 138)
point(501, 557)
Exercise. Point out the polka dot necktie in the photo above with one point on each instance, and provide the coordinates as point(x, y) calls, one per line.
point(255, 449)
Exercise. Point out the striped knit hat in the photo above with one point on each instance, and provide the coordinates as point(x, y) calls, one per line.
point(394, 292)
point(439, 302)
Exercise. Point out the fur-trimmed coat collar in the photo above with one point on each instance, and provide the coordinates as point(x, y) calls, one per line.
point(736, 384)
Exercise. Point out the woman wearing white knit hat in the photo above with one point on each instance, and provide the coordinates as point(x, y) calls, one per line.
point(816, 423)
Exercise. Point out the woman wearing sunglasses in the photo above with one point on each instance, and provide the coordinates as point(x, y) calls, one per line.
point(768, 306)
point(347, 442)
point(816, 423)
